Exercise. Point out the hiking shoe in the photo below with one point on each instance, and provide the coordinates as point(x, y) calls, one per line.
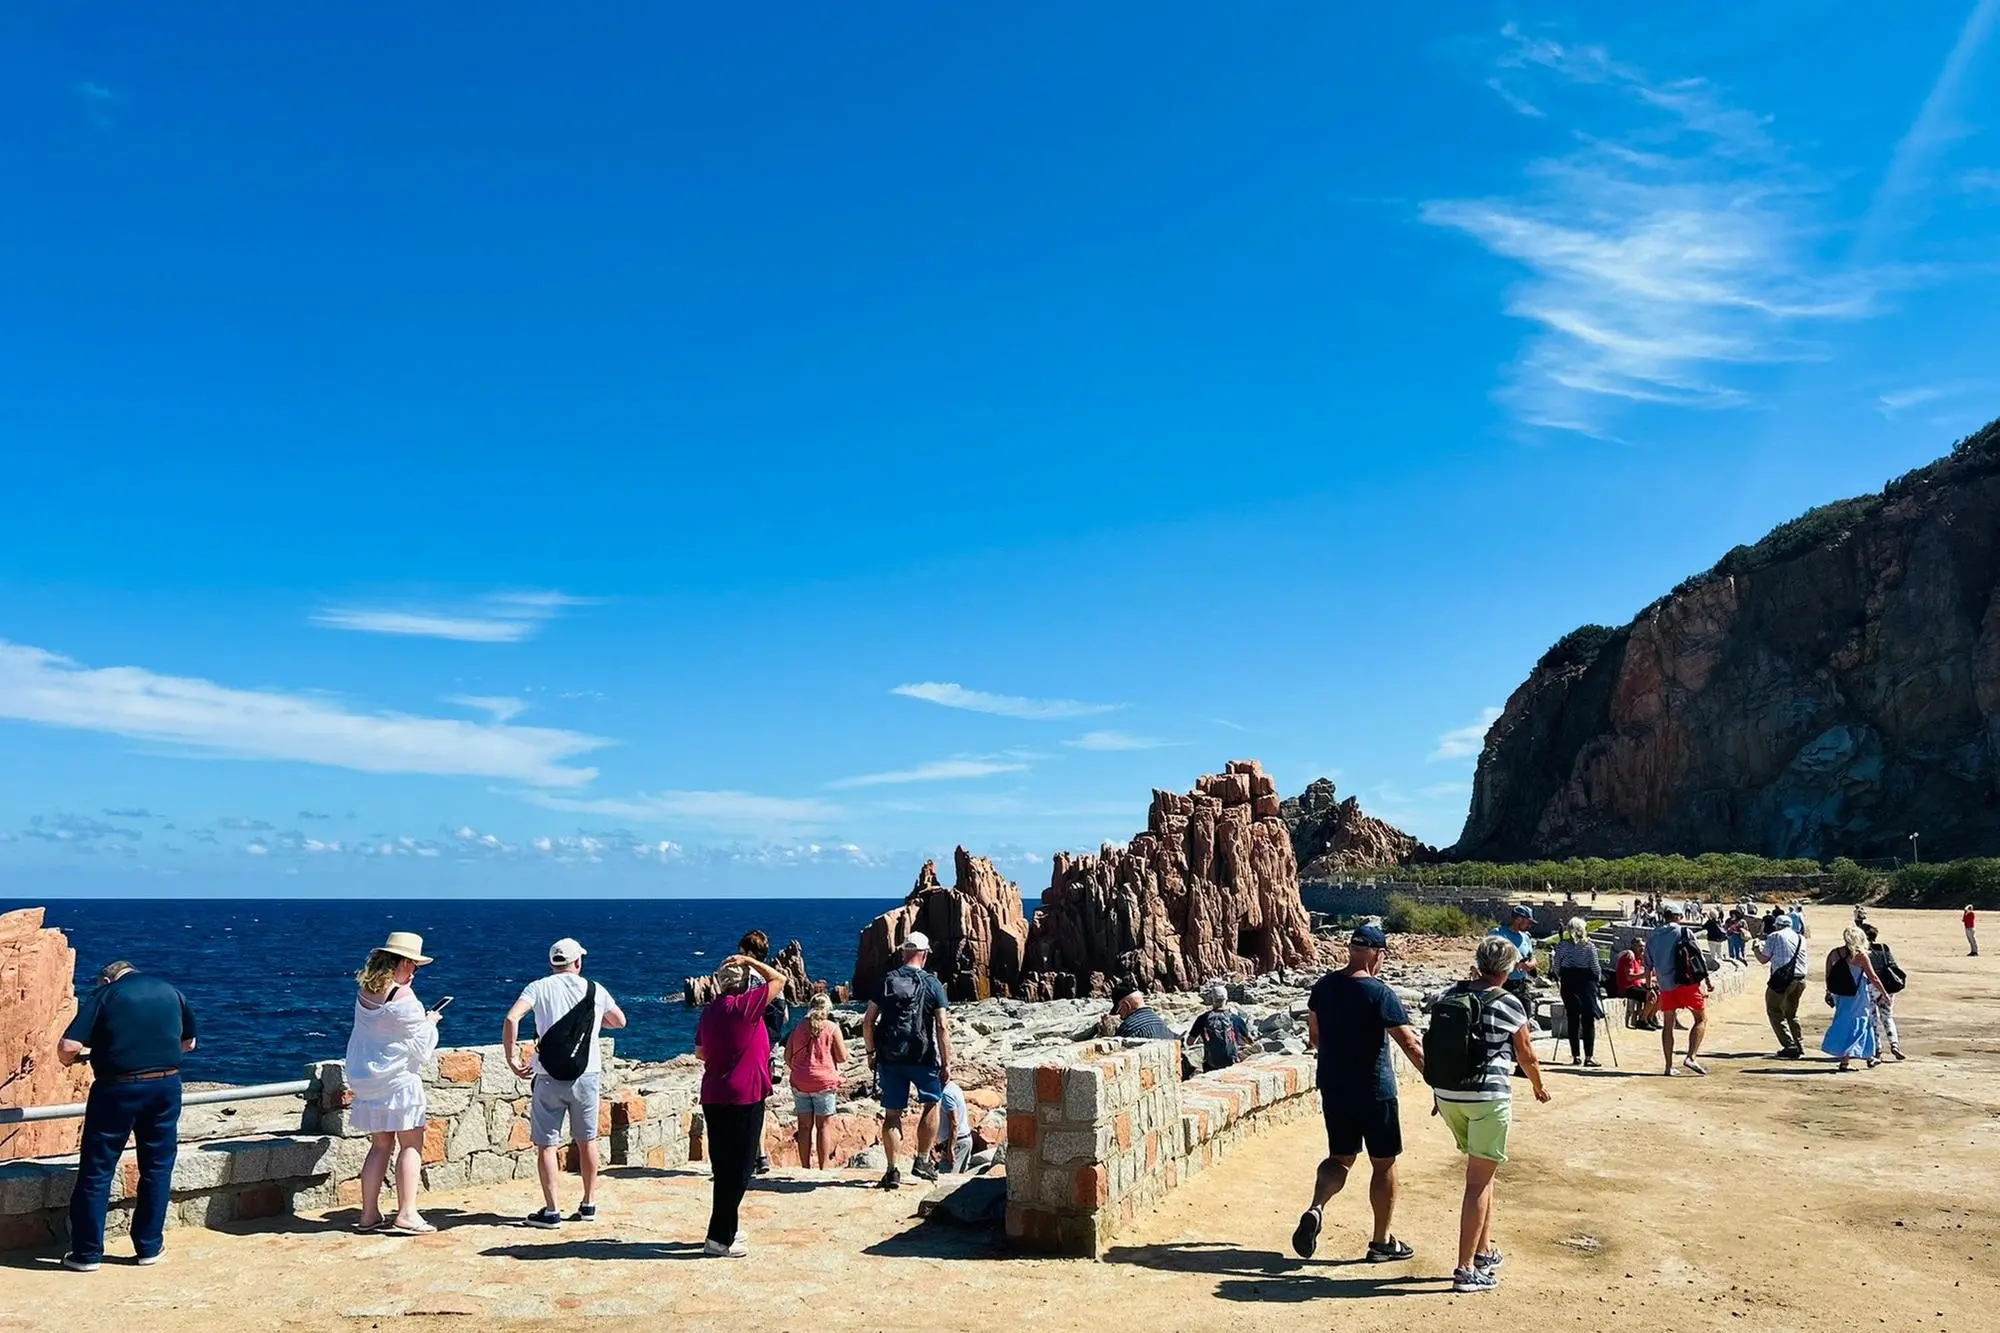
point(1390, 1251)
point(715, 1249)
point(148, 1260)
point(1788, 1053)
point(548, 1219)
point(1470, 1281)
point(892, 1179)
point(1305, 1236)
point(586, 1212)
point(924, 1169)
point(763, 1164)
point(1490, 1260)
point(77, 1265)
point(1897, 1051)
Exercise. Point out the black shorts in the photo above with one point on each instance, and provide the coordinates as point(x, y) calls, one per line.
point(1350, 1125)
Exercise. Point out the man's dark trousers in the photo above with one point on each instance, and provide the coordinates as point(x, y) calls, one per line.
point(149, 1111)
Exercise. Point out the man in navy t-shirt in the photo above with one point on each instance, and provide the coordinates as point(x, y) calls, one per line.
point(133, 1029)
point(1352, 1016)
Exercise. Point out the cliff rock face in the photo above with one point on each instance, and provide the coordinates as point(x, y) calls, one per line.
point(977, 929)
point(1210, 889)
point(1827, 692)
point(1331, 836)
point(37, 1001)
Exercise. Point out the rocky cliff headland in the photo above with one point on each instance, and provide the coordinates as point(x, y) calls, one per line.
point(1332, 837)
point(1209, 890)
point(1825, 692)
point(37, 1001)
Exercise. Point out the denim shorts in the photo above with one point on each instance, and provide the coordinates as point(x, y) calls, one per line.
point(812, 1103)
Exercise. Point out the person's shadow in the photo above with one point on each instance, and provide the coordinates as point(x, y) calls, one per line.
point(1267, 1276)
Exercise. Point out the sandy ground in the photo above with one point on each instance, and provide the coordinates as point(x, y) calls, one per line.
point(1767, 1196)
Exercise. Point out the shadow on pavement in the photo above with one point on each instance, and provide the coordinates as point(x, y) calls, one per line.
point(1267, 1276)
point(606, 1248)
point(1793, 1072)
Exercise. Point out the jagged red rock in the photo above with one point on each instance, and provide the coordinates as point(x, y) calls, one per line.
point(37, 1002)
point(1331, 835)
point(977, 929)
point(791, 960)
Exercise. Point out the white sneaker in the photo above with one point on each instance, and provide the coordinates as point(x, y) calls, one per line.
point(715, 1249)
point(148, 1260)
point(76, 1265)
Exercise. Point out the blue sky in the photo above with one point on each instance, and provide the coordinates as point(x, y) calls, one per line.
point(665, 450)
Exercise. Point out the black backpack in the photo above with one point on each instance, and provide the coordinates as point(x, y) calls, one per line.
point(1893, 977)
point(564, 1050)
point(1455, 1049)
point(1839, 974)
point(903, 1020)
point(1690, 963)
point(1219, 1047)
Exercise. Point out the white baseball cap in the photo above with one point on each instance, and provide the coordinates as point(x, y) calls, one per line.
point(916, 942)
point(566, 951)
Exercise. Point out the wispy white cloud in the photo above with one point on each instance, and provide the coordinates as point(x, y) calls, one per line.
point(1939, 124)
point(1001, 705)
point(1515, 101)
point(727, 811)
point(936, 770)
point(1901, 400)
point(100, 103)
point(40, 686)
point(501, 707)
point(1466, 742)
point(1116, 741)
point(1659, 261)
point(500, 617)
point(1225, 722)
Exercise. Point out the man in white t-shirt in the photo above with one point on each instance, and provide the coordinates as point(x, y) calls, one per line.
point(555, 1099)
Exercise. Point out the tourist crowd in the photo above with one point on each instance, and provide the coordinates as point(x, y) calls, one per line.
point(1478, 1039)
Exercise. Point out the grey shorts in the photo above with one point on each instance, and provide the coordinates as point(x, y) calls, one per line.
point(555, 1099)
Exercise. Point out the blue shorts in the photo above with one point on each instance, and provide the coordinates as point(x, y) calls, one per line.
point(812, 1103)
point(897, 1080)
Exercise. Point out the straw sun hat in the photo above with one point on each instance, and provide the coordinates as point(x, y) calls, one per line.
point(405, 944)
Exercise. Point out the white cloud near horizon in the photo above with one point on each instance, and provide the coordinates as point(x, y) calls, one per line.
point(727, 811)
point(1465, 742)
point(1659, 260)
point(500, 617)
point(1116, 741)
point(1001, 705)
point(502, 707)
point(935, 770)
point(43, 687)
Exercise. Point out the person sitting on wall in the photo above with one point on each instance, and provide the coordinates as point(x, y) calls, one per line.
point(1629, 981)
point(1135, 1019)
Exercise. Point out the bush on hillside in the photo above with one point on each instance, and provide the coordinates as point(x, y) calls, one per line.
point(1407, 916)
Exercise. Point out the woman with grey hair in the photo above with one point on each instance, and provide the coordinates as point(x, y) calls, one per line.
point(1580, 974)
point(735, 1053)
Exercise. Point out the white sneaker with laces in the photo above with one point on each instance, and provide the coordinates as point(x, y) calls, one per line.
point(715, 1249)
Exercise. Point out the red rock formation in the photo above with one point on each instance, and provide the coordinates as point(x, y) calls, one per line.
point(1210, 889)
point(977, 929)
point(1330, 835)
point(791, 960)
point(37, 1001)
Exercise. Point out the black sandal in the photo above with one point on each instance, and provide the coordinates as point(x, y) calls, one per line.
point(1388, 1252)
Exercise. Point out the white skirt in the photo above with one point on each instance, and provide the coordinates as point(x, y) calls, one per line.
point(393, 1116)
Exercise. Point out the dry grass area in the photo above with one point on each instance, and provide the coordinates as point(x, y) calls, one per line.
point(1769, 1196)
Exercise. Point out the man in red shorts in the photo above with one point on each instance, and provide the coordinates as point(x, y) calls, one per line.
point(1677, 993)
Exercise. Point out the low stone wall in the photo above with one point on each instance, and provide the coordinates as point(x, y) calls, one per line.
point(477, 1134)
point(1100, 1131)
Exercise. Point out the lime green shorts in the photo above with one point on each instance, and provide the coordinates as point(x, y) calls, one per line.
point(1479, 1127)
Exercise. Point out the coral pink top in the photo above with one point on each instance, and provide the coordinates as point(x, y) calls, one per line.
point(814, 1061)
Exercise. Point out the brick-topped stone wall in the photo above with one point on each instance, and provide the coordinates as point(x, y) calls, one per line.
point(477, 1134)
point(1099, 1132)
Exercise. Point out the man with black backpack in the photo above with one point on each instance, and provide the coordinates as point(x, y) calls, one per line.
point(1478, 1032)
point(909, 1047)
point(1351, 1017)
point(1682, 971)
point(566, 1071)
point(1222, 1035)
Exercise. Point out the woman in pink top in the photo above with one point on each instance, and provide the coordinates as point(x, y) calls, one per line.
point(814, 1053)
point(735, 1054)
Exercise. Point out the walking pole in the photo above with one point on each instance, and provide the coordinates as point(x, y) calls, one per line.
point(1608, 1025)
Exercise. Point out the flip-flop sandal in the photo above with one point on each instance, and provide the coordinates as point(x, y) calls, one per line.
point(367, 1228)
point(398, 1229)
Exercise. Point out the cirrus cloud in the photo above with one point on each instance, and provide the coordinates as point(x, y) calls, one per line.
point(952, 695)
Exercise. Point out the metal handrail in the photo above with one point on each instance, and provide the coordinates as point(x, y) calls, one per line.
point(14, 1115)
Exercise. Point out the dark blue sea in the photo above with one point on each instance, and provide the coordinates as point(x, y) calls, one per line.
point(271, 981)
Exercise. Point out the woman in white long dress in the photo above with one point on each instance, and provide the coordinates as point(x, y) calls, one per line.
point(393, 1039)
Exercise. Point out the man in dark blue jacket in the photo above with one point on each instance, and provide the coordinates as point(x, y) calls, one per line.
point(133, 1029)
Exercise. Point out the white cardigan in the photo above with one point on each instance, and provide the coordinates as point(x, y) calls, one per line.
point(387, 1051)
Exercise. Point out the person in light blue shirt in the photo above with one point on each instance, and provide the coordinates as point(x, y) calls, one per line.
point(1520, 932)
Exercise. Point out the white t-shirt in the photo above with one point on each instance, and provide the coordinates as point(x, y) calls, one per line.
point(555, 995)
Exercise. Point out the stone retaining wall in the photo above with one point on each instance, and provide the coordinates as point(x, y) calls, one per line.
point(1101, 1131)
point(477, 1134)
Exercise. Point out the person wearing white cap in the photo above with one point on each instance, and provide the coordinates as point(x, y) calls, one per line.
point(393, 1038)
point(567, 1071)
point(909, 1046)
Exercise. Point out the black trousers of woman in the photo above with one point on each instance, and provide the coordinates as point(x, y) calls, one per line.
point(735, 1137)
point(1579, 994)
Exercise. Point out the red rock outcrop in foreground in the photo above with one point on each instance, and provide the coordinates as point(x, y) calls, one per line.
point(1210, 889)
point(977, 929)
point(37, 1001)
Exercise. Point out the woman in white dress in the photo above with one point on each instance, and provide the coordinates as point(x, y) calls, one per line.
point(392, 1041)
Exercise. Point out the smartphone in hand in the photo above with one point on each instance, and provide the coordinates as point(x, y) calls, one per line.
point(443, 1004)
